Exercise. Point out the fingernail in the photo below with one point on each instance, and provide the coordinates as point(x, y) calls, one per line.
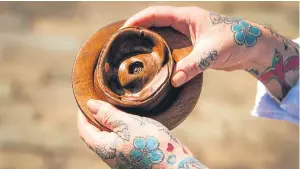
point(179, 79)
point(94, 106)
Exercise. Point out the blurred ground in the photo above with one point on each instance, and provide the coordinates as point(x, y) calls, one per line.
point(38, 44)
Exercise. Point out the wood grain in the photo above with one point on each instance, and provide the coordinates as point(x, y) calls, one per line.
point(92, 71)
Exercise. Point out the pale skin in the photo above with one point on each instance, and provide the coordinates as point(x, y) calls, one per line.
point(221, 43)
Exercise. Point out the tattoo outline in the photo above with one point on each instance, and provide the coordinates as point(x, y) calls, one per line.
point(278, 69)
point(124, 163)
point(219, 19)
point(171, 159)
point(245, 33)
point(191, 162)
point(170, 147)
point(146, 152)
point(206, 62)
point(161, 127)
point(253, 71)
point(106, 152)
point(121, 129)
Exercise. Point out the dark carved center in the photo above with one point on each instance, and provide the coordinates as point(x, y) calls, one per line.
point(136, 67)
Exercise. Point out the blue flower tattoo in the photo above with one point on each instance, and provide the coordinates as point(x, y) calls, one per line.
point(191, 162)
point(171, 160)
point(146, 152)
point(245, 33)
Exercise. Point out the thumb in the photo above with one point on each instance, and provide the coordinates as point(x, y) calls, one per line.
point(193, 64)
point(108, 115)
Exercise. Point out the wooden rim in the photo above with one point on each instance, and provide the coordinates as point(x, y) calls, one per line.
point(83, 78)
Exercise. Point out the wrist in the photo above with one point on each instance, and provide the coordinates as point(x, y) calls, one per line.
point(275, 62)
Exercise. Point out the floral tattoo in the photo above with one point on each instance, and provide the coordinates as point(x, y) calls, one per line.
point(146, 152)
point(286, 42)
point(219, 19)
point(245, 33)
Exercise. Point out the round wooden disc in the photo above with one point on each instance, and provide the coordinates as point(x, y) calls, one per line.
point(181, 101)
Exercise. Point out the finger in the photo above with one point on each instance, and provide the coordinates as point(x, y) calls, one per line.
point(186, 68)
point(108, 115)
point(203, 56)
point(91, 135)
point(161, 16)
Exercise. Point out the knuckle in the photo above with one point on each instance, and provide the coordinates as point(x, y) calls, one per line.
point(192, 68)
point(108, 113)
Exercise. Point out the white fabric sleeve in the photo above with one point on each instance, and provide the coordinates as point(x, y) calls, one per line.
point(266, 106)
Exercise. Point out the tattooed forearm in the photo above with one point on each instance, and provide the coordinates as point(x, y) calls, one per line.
point(219, 19)
point(287, 44)
point(277, 71)
point(208, 58)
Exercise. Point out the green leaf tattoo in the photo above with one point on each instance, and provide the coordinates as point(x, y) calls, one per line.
point(278, 70)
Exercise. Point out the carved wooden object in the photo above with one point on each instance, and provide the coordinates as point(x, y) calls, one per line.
point(131, 68)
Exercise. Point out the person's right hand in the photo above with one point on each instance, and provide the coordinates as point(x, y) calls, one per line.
point(224, 43)
point(210, 33)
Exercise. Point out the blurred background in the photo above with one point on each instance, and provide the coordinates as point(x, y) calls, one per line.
point(38, 127)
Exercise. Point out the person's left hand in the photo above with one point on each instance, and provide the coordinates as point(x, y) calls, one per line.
point(135, 142)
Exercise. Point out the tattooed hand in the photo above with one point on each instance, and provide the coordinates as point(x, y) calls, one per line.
point(135, 142)
point(225, 43)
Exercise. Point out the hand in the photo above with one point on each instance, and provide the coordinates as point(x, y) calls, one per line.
point(224, 43)
point(135, 142)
